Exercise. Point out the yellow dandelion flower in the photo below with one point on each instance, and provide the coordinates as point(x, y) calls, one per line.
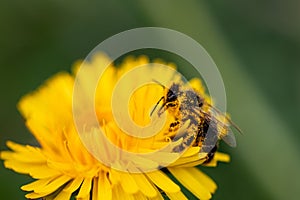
point(63, 165)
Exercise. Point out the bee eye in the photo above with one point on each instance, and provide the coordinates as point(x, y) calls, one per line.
point(171, 96)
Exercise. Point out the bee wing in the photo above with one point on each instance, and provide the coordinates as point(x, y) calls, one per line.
point(229, 120)
point(229, 138)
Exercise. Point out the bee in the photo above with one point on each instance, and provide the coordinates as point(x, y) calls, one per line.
point(206, 125)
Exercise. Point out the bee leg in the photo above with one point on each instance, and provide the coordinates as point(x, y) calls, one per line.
point(188, 140)
point(174, 126)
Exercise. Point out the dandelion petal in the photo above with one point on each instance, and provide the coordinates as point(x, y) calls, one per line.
point(104, 188)
point(85, 188)
point(188, 180)
point(163, 181)
point(144, 185)
point(177, 196)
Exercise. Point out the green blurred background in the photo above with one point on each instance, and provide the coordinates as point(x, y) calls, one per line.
point(255, 44)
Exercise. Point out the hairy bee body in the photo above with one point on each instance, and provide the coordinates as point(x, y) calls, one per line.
point(187, 106)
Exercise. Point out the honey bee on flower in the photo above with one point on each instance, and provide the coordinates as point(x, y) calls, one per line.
point(63, 167)
point(205, 125)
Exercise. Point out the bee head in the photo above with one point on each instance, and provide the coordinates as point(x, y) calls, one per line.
point(170, 100)
point(172, 93)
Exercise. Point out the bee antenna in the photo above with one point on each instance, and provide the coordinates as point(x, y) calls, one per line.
point(156, 105)
point(159, 83)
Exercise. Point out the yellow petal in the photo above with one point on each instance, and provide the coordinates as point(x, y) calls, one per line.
point(34, 195)
point(43, 171)
point(144, 185)
point(163, 181)
point(62, 166)
point(139, 196)
point(158, 196)
point(188, 180)
point(49, 144)
point(196, 84)
point(95, 188)
point(177, 196)
point(85, 188)
point(212, 163)
point(144, 162)
point(74, 169)
point(104, 187)
point(53, 185)
point(218, 157)
point(63, 195)
point(128, 183)
point(23, 153)
point(222, 157)
point(120, 194)
point(85, 198)
point(28, 157)
point(16, 147)
point(44, 100)
point(164, 158)
point(37, 184)
point(203, 178)
point(44, 115)
point(37, 171)
point(71, 187)
point(189, 164)
point(194, 160)
point(191, 151)
point(74, 184)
